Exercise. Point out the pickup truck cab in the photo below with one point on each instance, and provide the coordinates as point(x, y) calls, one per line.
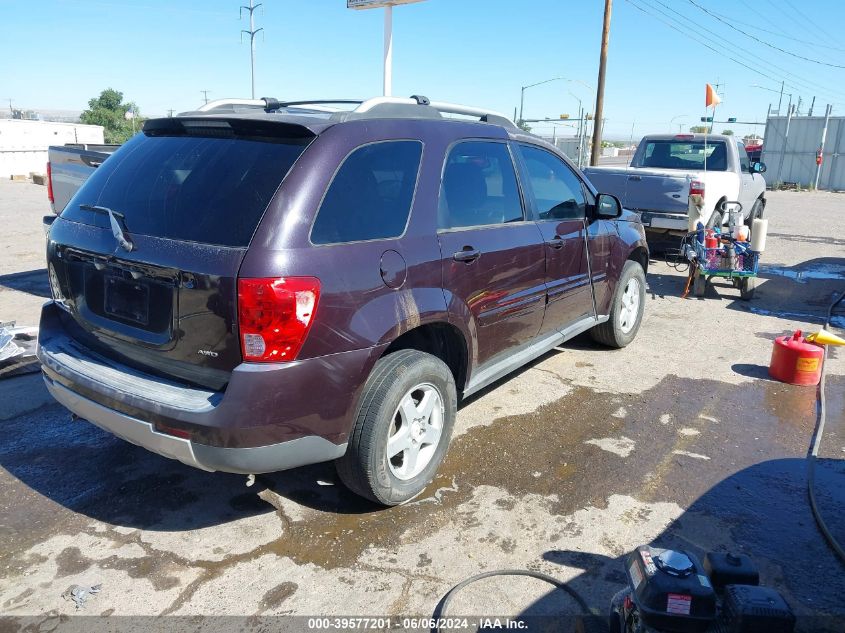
point(667, 169)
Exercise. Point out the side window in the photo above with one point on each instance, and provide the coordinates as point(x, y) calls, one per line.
point(479, 186)
point(744, 162)
point(370, 196)
point(558, 194)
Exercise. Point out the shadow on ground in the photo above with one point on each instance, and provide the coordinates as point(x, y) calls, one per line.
point(765, 522)
point(33, 282)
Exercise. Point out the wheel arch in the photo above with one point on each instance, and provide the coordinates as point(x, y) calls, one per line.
point(442, 340)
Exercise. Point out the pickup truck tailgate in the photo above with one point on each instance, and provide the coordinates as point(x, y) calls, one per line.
point(649, 192)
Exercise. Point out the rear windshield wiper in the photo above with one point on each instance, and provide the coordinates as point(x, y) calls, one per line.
point(116, 229)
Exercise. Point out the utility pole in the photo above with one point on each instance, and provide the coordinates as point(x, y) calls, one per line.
point(205, 94)
point(170, 112)
point(597, 129)
point(780, 99)
point(252, 32)
point(11, 109)
point(821, 146)
point(812, 105)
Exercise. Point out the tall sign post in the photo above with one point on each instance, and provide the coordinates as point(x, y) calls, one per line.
point(387, 5)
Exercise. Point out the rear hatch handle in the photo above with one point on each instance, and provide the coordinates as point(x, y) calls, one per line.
point(115, 220)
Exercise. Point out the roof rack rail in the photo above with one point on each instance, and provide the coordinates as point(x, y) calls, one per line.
point(484, 114)
point(222, 103)
point(414, 106)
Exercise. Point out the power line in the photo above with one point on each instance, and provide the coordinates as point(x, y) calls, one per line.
point(812, 24)
point(780, 34)
point(801, 84)
point(757, 39)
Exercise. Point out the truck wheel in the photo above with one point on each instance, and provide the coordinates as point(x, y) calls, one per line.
point(626, 311)
point(402, 428)
point(756, 212)
point(715, 220)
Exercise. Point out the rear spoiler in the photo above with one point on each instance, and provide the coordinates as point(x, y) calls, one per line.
point(223, 127)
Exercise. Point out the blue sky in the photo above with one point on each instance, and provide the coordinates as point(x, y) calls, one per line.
point(56, 54)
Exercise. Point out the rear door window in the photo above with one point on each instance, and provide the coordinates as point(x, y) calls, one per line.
point(479, 187)
point(207, 190)
point(557, 191)
point(371, 194)
point(690, 155)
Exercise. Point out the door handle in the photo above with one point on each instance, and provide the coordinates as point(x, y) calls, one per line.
point(468, 255)
point(635, 177)
point(556, 242)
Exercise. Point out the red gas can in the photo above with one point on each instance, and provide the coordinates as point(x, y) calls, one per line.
point(796, 361)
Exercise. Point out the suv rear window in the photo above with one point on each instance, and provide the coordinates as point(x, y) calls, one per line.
point(685, 155)
point(196, 189)
point(370, 196)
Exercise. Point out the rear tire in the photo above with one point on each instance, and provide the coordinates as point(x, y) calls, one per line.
point(407, 408)
point(626, 311)
point(715, 220)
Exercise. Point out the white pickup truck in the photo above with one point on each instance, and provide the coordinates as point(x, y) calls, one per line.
point(667, 169)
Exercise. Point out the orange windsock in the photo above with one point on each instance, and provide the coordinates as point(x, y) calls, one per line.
point(711, 98)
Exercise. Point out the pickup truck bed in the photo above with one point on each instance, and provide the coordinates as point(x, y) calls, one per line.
point(667, 169)
point(70, 166)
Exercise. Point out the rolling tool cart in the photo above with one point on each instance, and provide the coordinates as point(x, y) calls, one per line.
point(733, 254)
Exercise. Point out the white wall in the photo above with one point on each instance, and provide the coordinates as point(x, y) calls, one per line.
point(23, 144)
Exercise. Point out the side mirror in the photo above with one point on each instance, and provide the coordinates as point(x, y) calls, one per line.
point(758, 168)
point(47, 222)
point(608, 207)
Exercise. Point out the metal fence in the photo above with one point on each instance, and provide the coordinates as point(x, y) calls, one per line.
point(792, 146)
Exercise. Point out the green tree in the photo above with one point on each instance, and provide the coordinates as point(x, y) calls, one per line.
point(698, 129)
point(109, 110)
point(728, 132)
point(523, 126)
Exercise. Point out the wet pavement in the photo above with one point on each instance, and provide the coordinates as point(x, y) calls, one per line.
point(680, 440)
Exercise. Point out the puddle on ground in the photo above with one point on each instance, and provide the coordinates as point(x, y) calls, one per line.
point(686, 436)
point(548, 453)
point(805, 273)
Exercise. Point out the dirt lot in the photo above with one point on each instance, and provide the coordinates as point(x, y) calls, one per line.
point(679, 440)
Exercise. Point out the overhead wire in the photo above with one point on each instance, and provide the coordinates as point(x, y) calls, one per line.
point(764, 42)
point(780, 34)
point(683, 30)
point(812, 24)
point(804, 84)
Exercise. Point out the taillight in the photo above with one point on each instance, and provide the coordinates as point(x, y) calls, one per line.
point(275, 315)
point(50, 183)
point(696, 187)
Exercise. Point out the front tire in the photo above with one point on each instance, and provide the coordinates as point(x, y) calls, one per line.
point(626, 312)
point(756, 212)
point(402, 429)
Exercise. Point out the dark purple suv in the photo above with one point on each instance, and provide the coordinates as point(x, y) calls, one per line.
point(250, 289)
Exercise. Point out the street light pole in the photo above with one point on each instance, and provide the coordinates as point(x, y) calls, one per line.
point(388, 50)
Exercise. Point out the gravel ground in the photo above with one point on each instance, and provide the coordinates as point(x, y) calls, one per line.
point(679, 439)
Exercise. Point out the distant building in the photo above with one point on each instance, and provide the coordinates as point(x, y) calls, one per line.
point(24, 142)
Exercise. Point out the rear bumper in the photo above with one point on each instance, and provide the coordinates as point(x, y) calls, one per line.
point(674, 222)
point(270, 417)
point(261, 459)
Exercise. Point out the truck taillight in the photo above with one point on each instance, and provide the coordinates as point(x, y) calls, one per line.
point(50, 183)
point(275, 315)
point(696, 187)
